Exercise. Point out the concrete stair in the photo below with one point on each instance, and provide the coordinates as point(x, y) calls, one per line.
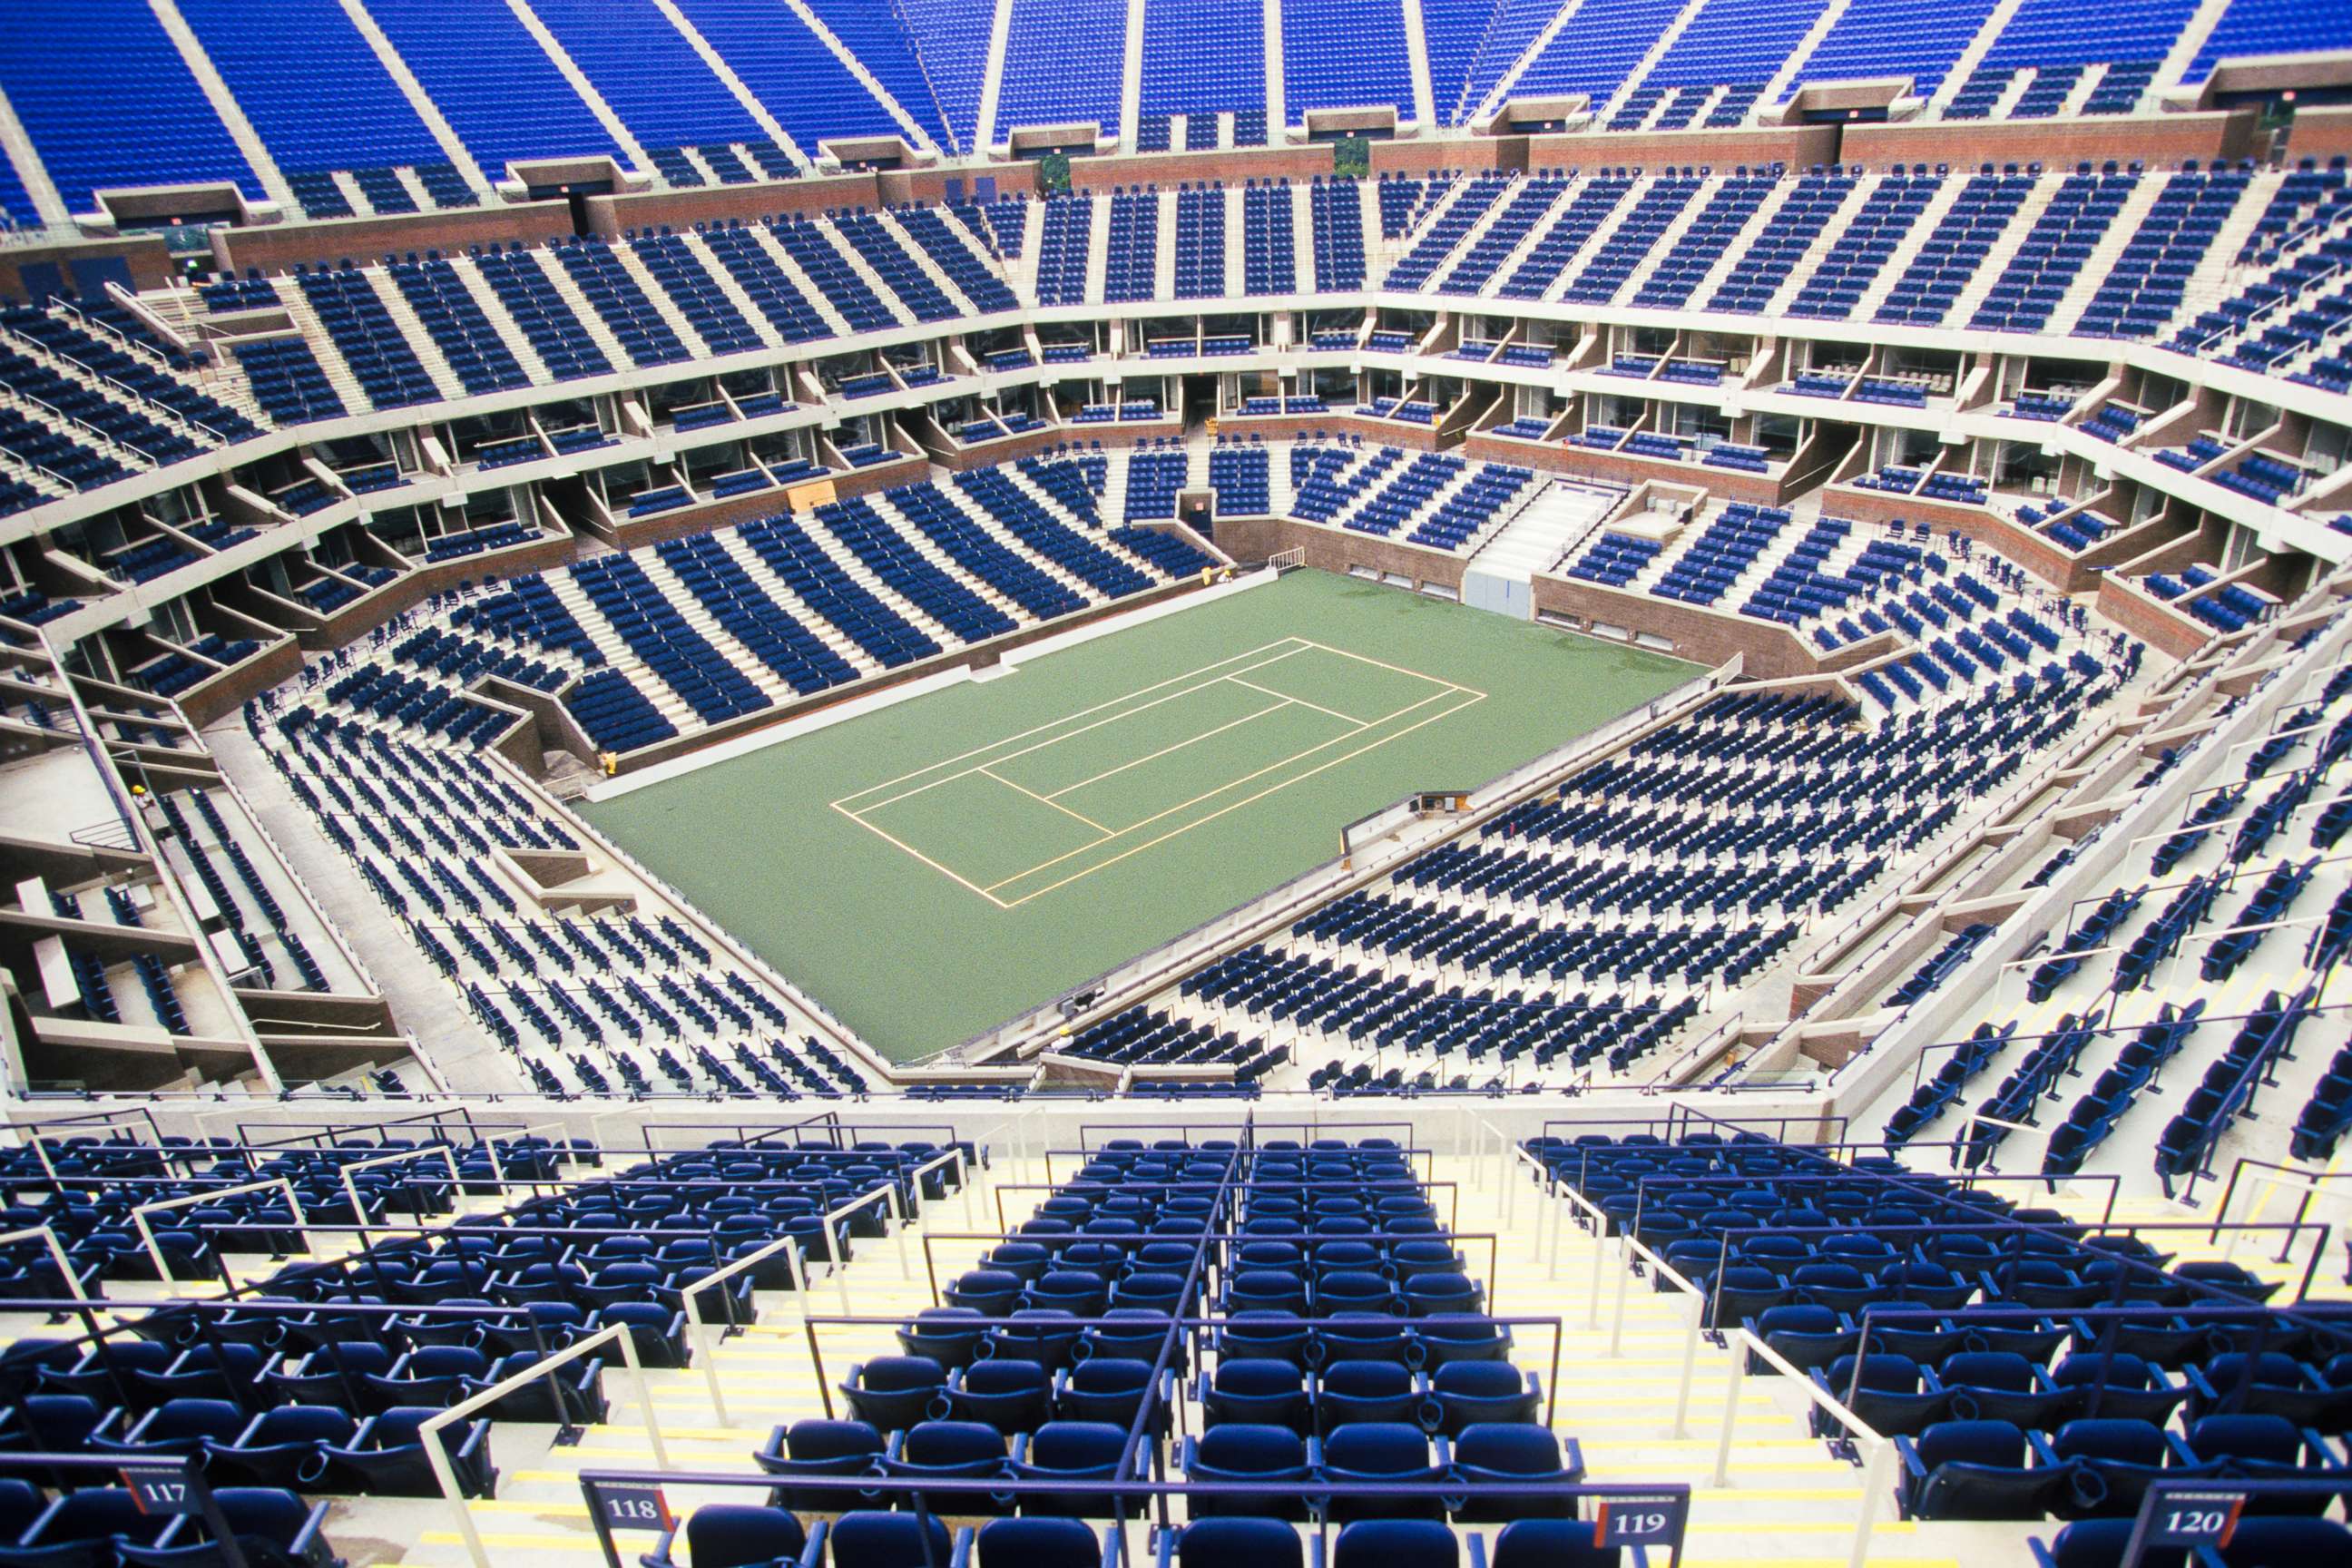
point(1536, 538)
point(758, 570)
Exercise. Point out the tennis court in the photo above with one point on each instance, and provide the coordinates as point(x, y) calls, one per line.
point(936, 866)
point(1039, 811)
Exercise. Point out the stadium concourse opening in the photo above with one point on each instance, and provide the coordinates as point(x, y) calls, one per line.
point(1030, 832)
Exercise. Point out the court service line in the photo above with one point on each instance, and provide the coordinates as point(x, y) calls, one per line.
point(1343, 718)
point(1291, 646)
point(1047, 800)
point(1475, 697)
point(1056, 740)
point(1180, 745)
point(901, 844)
point(1392, 668)
point(1235, 783)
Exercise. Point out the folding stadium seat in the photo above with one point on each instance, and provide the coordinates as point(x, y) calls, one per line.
point(2123, 1386)
point(1263, 1392)
point(2000, 1386)
point(385, 1457)
point(1383, 1452)
point(1010, 1395)
point(870, 1539)
point(2268, 1384)
point(893, 1393)
point(655, 1329)
point(1980, 1469)
point(176, 1427)
point(1070, 1451)
point(1218, 1541)
point(1806, 1336)
point(734, 1535)
point(2265, 1447)
point(1519, 1453)
point(1347, 1391)
point(1443, 1340)
point(951, 1450)
point(1887, 1391)
point(1395, 1544)
point(90, 1526)
point(947, 1336)
point(278, 1447)
point(1551, 1543)
point(272, 1528)
point(820, 1448)
point(20, 1504)
point(1042, 1544)
point(1240, 1451)
point(355, 1376)
point(1467, 1392)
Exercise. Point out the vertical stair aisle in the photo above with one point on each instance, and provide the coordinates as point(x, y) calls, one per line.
point(540, 1519)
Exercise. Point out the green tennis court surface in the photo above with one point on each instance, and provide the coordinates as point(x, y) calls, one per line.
point(1037, 811)
point(937, 868)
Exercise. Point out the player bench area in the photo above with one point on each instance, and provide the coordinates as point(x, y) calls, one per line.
point(1039, 810)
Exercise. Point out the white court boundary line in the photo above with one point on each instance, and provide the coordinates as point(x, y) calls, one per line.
point(857, 804)
point(762, 737)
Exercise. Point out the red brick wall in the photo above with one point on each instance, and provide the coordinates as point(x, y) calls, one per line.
point(277, 248)
point(228, 692)
point(1414, 157)
point(2320, 133)
point(2043, 556)
point(1722, 151)
point(1771, 652)
point(150, 264)
point(899, 186)
point(610, 216)
point(2156, 140)
point(1292, 426)
point(2169, 631)
point(1234, 166)
point(1336, 551)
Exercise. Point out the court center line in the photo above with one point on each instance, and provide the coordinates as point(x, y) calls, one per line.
point(1179, 745)
point(1257, 773)
point(1343, 718)
point(1475, 697)
point(1048, 800)
point(1291, 646)
point(1056, 740)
